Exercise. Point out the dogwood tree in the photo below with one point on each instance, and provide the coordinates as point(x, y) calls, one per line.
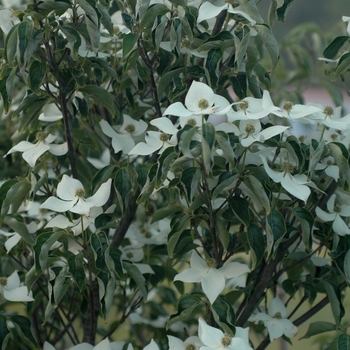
point(158, 190)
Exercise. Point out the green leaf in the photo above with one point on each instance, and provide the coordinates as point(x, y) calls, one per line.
point(179, 224)
point(105, 19)
point(185, 307)
point(208, 139)
point(76, 268)
point(165, 212)
point(16, 223)
point(100, 95)
point(344, 342)
point(226, 147)
point(331, 51)
point(15, 196)
point(224, 315)
point(257, 243)
point(24, 35)
point(240, 208)
point(11, 43)
point(340, 160)
point(137, 277)
point(306, 222)
point(167, 78)
point(277, 225)
point(123, 185)
point(42, 248)
point(89, 10)
point(37, 72)
point(3, 330)
point(129, 41)
point(150, 15)
point(258, 189)
point(269, 41)
point(282, 11)
point(54, 5)
point(94, 34)
point(319, 327)
point(23, 327)
point(212, 63)
point(33, 43)
point(239, 84)
point(343, 65)
point(61, 286)
point(334, 297)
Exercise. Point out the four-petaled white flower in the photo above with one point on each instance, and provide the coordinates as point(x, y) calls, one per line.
point(335, 213)
point(275, 321)
point(200, 100)
point(215, 339)
point(11, 290)
point(212, 279)
point(192, 343)
point(294, 184)
point(156, 140)
point(7, 21)
point(124, 139)
point(72, 197)
point(31, 152)
point(249, 131)
point(296, 111)
point(327, 164)
point(104, 344)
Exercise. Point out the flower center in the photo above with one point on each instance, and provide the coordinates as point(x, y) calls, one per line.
point(278, 315)
point(287, 167)
point(226, 340)
point(329, 162)
point(192, 122)
point(250, 129)
point(163, 137)
point(211, 263)
point(185, 42)
point(334, 136)
point(146, 233)
point(288, 106)
point(302, 138)
point(129, 255)
point(243, 105)
point(203, 103)
point(190, 347)
point(79, 192)
point(337, 209)
point(130, 128)
point(3, 281)
point(40, 136)
point(328, 111)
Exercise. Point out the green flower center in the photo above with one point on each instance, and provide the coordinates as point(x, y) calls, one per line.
point(328, 111)
point(40, 136)
point(3, 281)
point(130, 128)
point(79, 192)
point(288, 106)
point(250, 129)
point(287, 167)
point(192, 122)
point(211, 263)
point(190, 347)
point(243, 105)
point(226, 340)
point(334, 136)
point(302, 138)
point(329, 162)
point(163, 137)
point(129, 255)
point(337, 209)
point(203, 103)
point(146, 233)
point(278, 315)
point(185, 42)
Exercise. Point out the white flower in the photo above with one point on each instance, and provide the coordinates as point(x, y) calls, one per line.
point(296, 111)
point(124, 140)
point(193, 343)
point(327, 164)
point(346, 19)
point(335, 213)
point(31, 152)
point(156, 140)
point(11, 290)
point(104, 344)
point(7, 21)
point(212, 279)
point(275, 321)
point(208, 11)
point(215, 339)
point(151, 346)
point(72, 194)
point(252, 108)
point(200, 100)
point(294, 184)
point(51, 113)
point(249, 131)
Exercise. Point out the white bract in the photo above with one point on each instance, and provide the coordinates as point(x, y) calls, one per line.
point(71, 195)
point(31, 152)
point(275, 321)
point(212, 279)
point(156, 140)
point(200, 100)
point(296, 111)
point(215, 339)
point(192, 343)
point(51, 113)
point(102, 345)
point(7, 21)
point(12, 291)
point(346, 19)
point(124, 139)
point(335, 214)
point(294, 184)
